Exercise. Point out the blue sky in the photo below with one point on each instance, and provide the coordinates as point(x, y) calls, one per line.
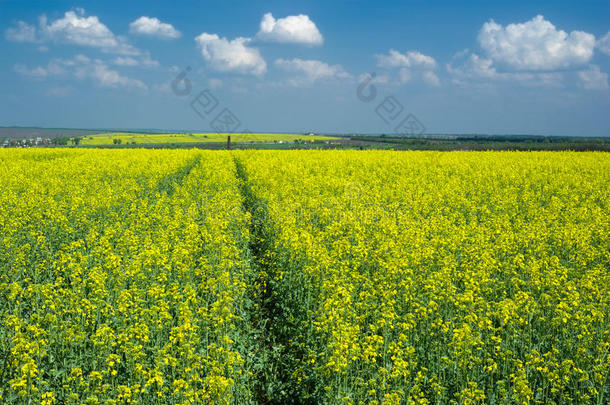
point(457, 67)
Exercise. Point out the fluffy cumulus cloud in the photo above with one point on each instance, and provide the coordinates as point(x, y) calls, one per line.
point(431, 78)
point(535, 45)
point(292, 29)
point(409, 59)
point(126, 61)
point(153, 27)
point(231, 56)
point(38, 72)
point(77, 29)
point(23, 32)
point(533, 53)
point(411, 65)
point(593, 79)
point(105, 77)
point(310, 71)
point(603, 44)
point(73, 28)
point(473, 66)
point(82, 68)
point(142, 60)
point(469, 67)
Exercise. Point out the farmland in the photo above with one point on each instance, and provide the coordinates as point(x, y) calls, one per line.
point(142, 138)
point(382, 277)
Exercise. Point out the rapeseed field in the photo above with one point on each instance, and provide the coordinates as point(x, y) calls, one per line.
point(356, 277)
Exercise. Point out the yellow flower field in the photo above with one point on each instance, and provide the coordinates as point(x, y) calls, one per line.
point(121, 277)
point(373, 277)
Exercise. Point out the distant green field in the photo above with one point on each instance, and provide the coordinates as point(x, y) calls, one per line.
point(128, 138)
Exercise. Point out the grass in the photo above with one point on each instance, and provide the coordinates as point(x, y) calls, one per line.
point(139, 138)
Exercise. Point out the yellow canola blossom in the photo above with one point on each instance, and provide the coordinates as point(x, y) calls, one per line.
point(121, 277)
point(357, 277)
point(435, 277)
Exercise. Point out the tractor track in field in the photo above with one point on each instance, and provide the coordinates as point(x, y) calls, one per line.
point(273, 350)
point(173, 180)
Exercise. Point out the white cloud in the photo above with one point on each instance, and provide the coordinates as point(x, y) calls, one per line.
point(404, 76)
point(231, 56)
point(533, 53)
point(535, 45)
point(593, 79)
point(431, 78)
point(312, 70)
point(292, 29)
point(603, 44)
point(153, 27)
point(80, 30)
point(55, 67)
point(472, 68)
point(105, 77)
point(23, 32)
point(412, 64)
point(35, 73)
point(73, 28)
point(82, 68)
point(141, 60)
point(126, 61)
point(410, 59)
